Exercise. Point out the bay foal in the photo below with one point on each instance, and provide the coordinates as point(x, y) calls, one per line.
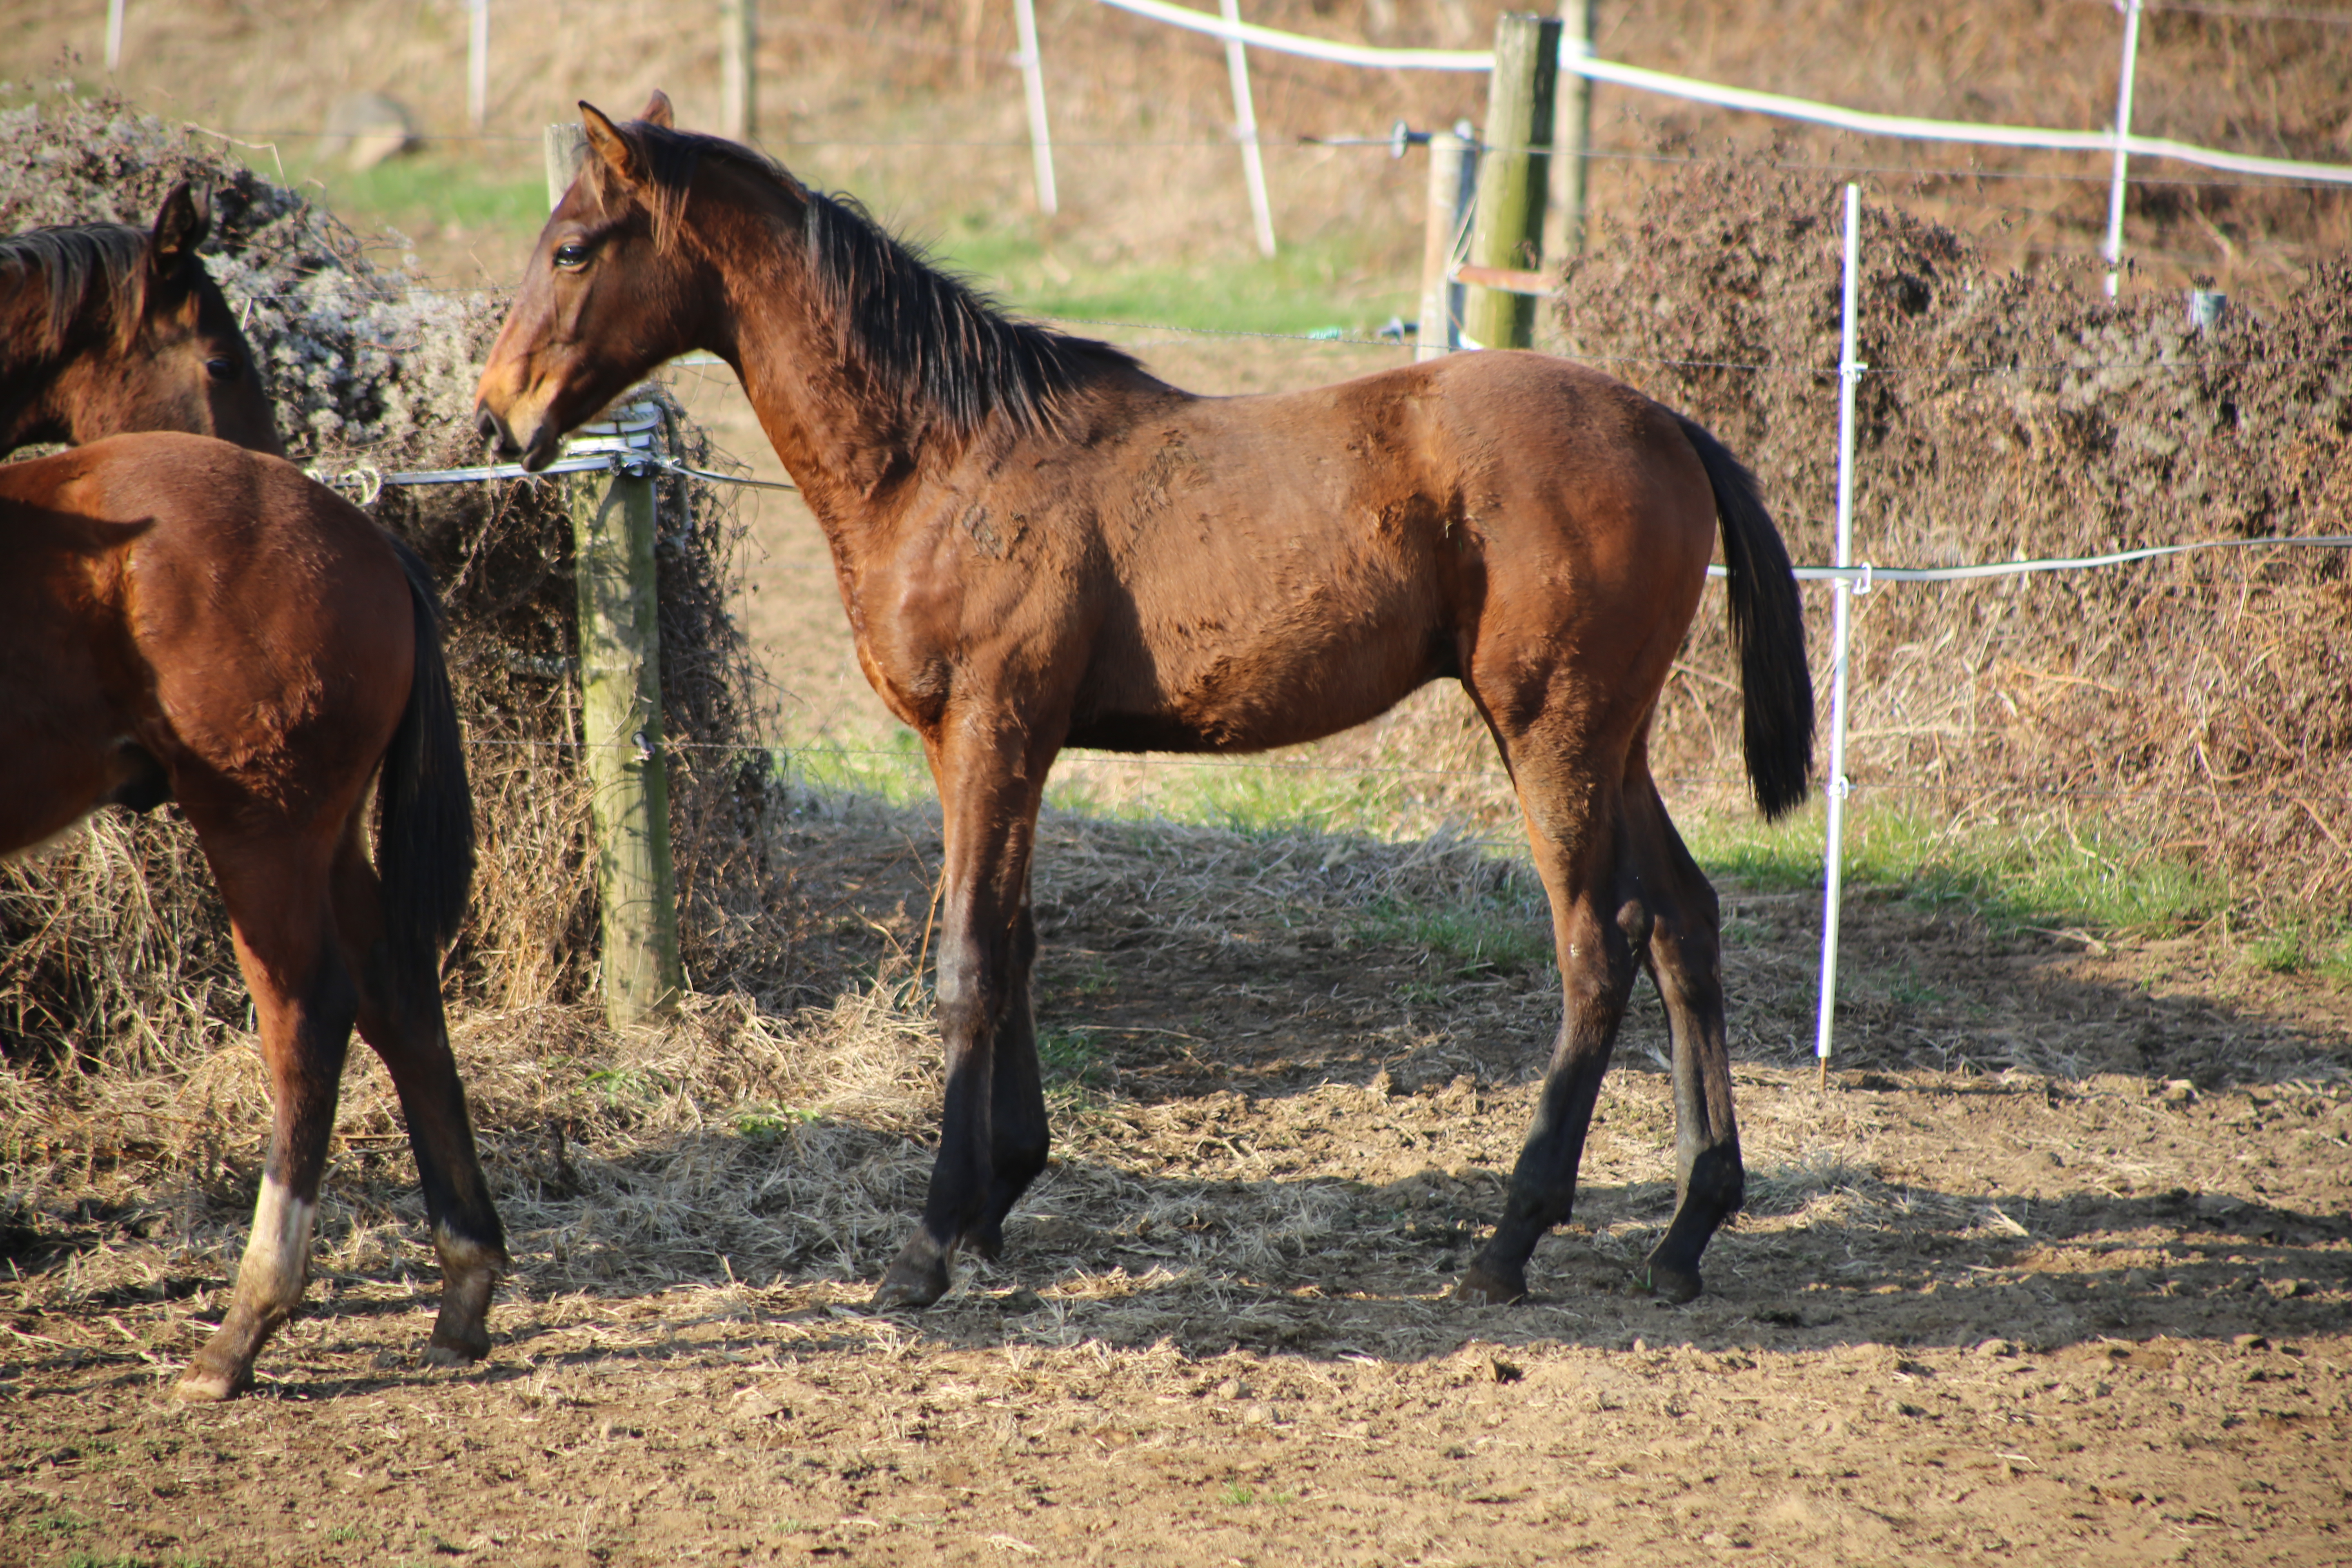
point(1041, 545)
point(181, 619)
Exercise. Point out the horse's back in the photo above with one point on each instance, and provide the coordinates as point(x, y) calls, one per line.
point(1286, 565)
point(237, 616)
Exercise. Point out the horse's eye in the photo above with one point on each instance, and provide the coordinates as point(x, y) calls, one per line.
point(571, 255)
point(221, 369)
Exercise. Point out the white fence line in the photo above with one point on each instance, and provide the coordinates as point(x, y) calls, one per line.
point(1722, 96)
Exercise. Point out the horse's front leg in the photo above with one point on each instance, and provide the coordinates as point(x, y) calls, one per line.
point(992, 1134)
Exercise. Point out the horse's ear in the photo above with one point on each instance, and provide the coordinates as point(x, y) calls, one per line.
point(605, 140)
point(657, 111)
point(180, 225)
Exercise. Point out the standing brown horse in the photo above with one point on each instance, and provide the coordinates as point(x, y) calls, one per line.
point(105, 329)
point(181, 619)
point(1042, 546)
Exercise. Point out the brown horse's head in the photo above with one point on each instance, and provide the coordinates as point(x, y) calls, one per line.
point(608, 294)
point(133, 335)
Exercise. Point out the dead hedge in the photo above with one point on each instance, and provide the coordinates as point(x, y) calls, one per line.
point(2201, 706)
point(115, 945)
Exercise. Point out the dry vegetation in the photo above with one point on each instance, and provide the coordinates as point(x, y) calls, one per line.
point(2061, 1271)
point(2202, 706)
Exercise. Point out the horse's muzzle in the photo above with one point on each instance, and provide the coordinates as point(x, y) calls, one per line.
point(495, 433)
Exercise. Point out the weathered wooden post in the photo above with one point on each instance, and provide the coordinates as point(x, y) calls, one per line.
point(1572, 133)
point(739, 86)
point(620, 702)
point(1452, 183)
point(1514, 170)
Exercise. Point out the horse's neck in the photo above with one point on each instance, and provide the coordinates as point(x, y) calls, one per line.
point(844, 441)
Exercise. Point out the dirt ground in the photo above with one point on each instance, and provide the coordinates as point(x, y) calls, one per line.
point(2058, 1269)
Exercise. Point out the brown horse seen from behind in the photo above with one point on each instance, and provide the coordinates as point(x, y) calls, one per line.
point(183, 620)
point(1041, 545)
point(106, 328)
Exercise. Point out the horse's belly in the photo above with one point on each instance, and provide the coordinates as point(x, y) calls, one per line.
point(1252, 694)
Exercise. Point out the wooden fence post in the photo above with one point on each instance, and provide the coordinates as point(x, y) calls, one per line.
point(1572, 133)
point(1513, 173)
point(621, 712)
point(1452, 183)
point(738, 81)
point(113, 36)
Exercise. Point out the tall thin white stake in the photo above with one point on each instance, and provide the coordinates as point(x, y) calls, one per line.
point(113, 36)
point(478, 61)
point(1833, 838)
point(1245, 128)
point(1033, 82)
point(2122, 128)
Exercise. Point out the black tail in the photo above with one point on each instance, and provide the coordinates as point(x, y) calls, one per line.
point(424, 826)
point(1768, 622)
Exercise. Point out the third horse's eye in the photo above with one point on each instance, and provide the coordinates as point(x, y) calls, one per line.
point(571, 254)
point(221, 369)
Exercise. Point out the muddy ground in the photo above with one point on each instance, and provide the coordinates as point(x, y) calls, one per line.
point(2058, 1269)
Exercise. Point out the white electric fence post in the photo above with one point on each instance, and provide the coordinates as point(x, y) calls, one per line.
point(478, 61)
point(1833, 836)
point(2123, 132)
point(113, 35)
point(1245, 128)
point(1033, 85)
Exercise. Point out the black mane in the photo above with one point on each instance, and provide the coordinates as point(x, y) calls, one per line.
point(70, 261)
point(944, 351)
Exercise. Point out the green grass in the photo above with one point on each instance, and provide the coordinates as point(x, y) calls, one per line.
point(771, 1125)
point(1491, 937)
point(1239, 794)
point(1317, 286)
point(426, 190)
point(2017, 875)
point(1069, 1058)
point(2322, 949)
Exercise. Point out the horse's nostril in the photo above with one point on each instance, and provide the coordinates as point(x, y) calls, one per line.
point(493, 429)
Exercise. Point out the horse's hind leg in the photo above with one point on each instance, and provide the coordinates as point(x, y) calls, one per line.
point(1685, 962)
point(1572, 826)
point(304, 1000)
point(400, 1016)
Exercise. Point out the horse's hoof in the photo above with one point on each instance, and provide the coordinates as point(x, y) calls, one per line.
point(201, 1387)
point(1484, 1288)
point(1677, 1285)
point(439, 1352)
point(911, 1283)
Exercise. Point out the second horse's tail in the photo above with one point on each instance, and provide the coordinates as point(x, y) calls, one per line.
point(1768, 624)
point(425, 835)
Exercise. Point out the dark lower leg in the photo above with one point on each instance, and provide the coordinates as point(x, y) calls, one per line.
point(400, 1017)
point(1018, 1136)
point(1709, 1179)
point(1597, 975)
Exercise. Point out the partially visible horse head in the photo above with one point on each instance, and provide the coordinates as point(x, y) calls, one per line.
point(609, 291)
point(133, 335)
